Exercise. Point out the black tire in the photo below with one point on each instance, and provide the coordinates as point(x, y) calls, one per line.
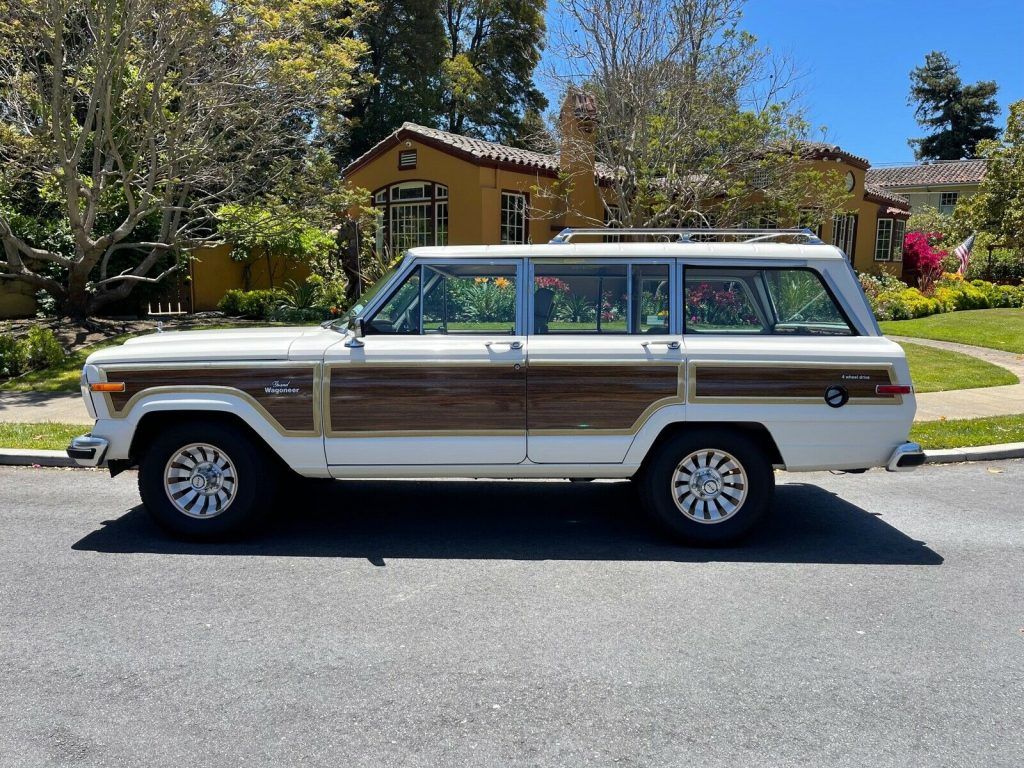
point(245, 504)
point(658, 487)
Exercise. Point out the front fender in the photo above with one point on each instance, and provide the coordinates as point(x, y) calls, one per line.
point(303, 452)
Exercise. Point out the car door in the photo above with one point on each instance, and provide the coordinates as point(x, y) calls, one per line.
point(440, 376)
point(603, 355)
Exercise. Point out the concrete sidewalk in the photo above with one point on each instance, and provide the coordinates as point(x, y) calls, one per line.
point(27, 407)
point(972, 403)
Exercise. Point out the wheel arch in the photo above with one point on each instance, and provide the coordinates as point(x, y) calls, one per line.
point(153, 422)
point(753, 430)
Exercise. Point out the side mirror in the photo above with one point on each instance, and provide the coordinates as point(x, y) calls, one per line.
point(358, 331)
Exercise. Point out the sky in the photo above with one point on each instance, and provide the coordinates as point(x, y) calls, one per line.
point(855, 60)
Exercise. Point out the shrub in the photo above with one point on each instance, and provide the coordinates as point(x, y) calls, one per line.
point(253, 304)
point(13, 357)
point(42, 348)
point(921, 255)
point(905, 304)
point(873, 285)
point(330, 294)
point(1005, 266)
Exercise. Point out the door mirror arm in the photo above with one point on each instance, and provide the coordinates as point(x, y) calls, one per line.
point(358, 331)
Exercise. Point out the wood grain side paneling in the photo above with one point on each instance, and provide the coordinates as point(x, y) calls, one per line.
point(781, 383)
point(427, 398)
point(571, 397)
point(286, 393)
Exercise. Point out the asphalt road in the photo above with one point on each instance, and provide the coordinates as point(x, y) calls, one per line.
point(877, 620)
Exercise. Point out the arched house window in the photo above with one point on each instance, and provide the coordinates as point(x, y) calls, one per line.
point(413, 213)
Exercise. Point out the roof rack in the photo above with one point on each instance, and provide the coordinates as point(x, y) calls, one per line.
point(694, 235)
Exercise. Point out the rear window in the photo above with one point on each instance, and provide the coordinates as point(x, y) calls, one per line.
point(791, 301)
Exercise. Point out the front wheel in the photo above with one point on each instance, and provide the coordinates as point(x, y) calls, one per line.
point(709, 486)
point(206, 481)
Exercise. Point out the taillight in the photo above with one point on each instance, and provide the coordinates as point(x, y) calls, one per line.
point(893, 389)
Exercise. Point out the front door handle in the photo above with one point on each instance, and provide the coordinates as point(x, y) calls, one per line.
point(669, 344)
point(511, 344)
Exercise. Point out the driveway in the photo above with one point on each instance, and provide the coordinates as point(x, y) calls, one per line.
point(878, 620)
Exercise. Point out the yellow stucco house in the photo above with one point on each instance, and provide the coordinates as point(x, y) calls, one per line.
point(438, 188)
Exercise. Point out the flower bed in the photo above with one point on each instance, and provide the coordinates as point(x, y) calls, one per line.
point(892, 299)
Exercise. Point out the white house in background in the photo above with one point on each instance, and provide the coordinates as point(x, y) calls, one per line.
point(941, 184)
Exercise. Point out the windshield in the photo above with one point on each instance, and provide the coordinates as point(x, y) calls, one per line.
point(343, 322)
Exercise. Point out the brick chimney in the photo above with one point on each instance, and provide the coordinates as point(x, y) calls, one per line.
point(577, 121)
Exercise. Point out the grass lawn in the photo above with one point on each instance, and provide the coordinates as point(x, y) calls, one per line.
point(39, 436)
point(960, 433)
point(58, 378)
point(64, 377)
point(938, 370)
point(995, 328)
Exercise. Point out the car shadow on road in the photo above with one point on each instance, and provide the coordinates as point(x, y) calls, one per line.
point(379, 520)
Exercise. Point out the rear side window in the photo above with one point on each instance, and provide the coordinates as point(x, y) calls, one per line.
point(580, 298)
point(601, 298)
point(760, 301)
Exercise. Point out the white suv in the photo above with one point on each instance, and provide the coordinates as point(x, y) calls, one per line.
point(693, 361)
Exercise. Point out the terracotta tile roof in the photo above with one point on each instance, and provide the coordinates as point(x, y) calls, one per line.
point(927, 174)
point(472, 149)
point(822, 149)
point(878, 194)
point(485, 150)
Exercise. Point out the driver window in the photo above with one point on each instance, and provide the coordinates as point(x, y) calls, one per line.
point(469, 299)
point(458, 298)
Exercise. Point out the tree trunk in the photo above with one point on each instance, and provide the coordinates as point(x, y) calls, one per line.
point(78, 302)
point(348, 239)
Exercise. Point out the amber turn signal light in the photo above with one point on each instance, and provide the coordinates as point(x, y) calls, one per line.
point(107, 386)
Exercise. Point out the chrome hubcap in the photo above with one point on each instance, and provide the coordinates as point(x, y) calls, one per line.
point(709, 486)
point(200, 480)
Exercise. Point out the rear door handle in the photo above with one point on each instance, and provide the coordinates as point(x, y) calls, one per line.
point(669, 344)
point(511, 344)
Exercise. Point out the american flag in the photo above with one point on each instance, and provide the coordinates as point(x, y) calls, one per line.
point(963, 252)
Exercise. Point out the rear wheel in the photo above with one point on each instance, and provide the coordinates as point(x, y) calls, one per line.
point(708, 486)
point(206, 481)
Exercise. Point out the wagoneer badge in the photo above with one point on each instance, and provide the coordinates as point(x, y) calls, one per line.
point(281, 388)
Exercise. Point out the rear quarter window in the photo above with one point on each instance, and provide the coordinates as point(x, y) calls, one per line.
point(743, 300)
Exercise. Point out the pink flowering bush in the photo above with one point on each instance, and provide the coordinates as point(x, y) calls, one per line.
point(921, 255)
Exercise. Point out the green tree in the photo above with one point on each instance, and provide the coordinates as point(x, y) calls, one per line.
point(958, 116)
point(996, 212)
point(406, 44)
point(694, 116)
point(930, 220)
point(492, 50)
point(127, 123)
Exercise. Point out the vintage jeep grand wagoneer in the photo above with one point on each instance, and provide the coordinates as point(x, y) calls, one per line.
point(692, 361)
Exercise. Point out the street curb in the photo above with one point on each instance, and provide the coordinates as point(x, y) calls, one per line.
point(17, 457)
point(978, 453)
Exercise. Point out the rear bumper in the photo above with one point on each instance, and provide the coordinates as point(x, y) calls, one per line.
point(88, 451)
point(905, 458)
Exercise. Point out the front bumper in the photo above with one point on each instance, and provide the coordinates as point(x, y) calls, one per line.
point(88, 451)
point(905, 458)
